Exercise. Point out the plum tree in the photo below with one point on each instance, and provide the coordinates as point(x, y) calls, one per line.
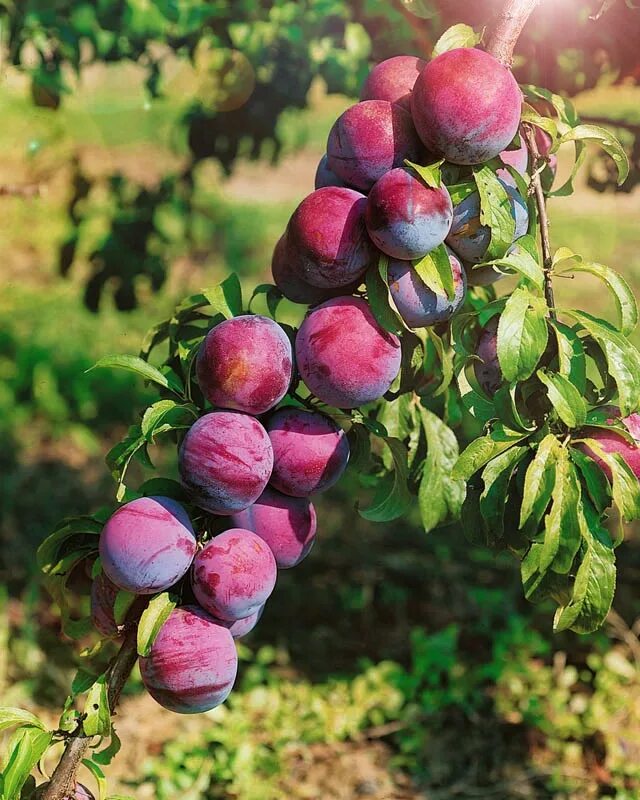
point(343, 354)
point(287, 524)
point(325, 176)
point(369, 139)
point(310, 452)
point(193, 662)
point(147, 545)
point(225, 461)
point(466, 106)
point(329, 235)
point(245, 364)
point(393, 80)
point(405, 217)
point(418, 305)
point(487, 366)
point(234, 574)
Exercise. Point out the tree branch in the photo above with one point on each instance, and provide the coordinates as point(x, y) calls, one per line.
point(508, 28)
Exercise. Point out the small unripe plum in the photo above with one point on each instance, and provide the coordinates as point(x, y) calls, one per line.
point(393, 80)
point(241, 627)
point(468, 238)
point(103, 598)
point(310, 452)
point(147, 545)
point(193, 662)
point(487, 367)
point(80, 792)
point(327, 233)
point(344, 356)
point(325, 176)
point(544, 142)
point(225, 461)
point(287, 524)
point(405, 217)
point(245, 364)
point(612, 442)
point(517, 158)
point(466, 106)
point(234, 574)
point(417, 304)
point(369, 139)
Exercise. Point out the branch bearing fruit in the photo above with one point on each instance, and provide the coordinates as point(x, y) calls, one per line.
point(344, 356)
point(79, 793)
point(147, 545)
point(245, 364)
point(393, 80)
point(310, 452)
point(225, 461)
point(466, 106)
point(287, 524)
point(193, 663)
point(234, 574)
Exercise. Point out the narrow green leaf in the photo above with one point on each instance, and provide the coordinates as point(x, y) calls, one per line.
point(520, 260)
point(459, 191)
point(152, 620)
point(226, 297)
point(565, 398)
point(97, 720)
point(105, 756)
point(167, 415)
point(539, 481)
point(435, 271)
point(457, 36)
point(562, 526)
point(495, 211)
point(18, 717)
point(522, 335)
point(26, 748)
point(606, 140)
point(379, 298)
point(139, 367)
point(624, 484)
point(392, 498)
point(572, 362)
point(481, 451)
point(593, 478)
point(99, 776)
point(496, 478)
point(431, 174)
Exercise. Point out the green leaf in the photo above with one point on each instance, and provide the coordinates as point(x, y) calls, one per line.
point(606, 140)
point(593, 479)
point(440, 496)
point(435, 271)
point(572, 362)
point(522, 335)
point(459, 191)
point(562, 526)
point(624, 484)
point(481, 451)
point(152, 620)
point(82, 682)
point(105, 756)
point(391, 498)
point(98, 774)
point(520, 260)
point(26, 748)
point(18, 717)
point(140, 367)
point(226, 297)
point(167, 415)
point(430, 174)
point(120, 456)
point(457, 36)
point(496, 478)
point(565, 109)
point(97, 720)
point(379, 298)
point(495, 211)
point(565, 398)
point(539, 481)
point(359, 448)
point(122, 604)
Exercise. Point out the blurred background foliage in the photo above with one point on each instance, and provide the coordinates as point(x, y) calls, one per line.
point(147, 148)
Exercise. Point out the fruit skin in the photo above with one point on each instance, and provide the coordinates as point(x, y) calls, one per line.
point(405, 217)
point(369, 139)
point(344, 356)
point(234, 574)
point(193, 663)
point(466, 106)
point(310, 452)
point(418, 305)
point(487, 369)
point(287, 524)
point(103, 597)
point(245, 364)
point(225, 461)
point(612, 442)
point(393, 80)
point(327, 232)
point(518, 159)
point(241, 627)
point(80, 792)
point(147, 545)
point(325, 176)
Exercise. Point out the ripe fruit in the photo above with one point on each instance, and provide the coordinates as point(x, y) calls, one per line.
point(405, 217)
point(487, 368)
point(466, 106)
point(103, 597)
point(287, 524)
point(234, 574)
point(393, 80)
point(225, 461)
point(310, 452)
point(147, 545)
point(245, 363)
point(241, 627)
point(344, 356)
point(368, 140)
point(325, 176)
point(417, 304)
point(612, 442)
point(518, 159)
point(328, 236)
point(192, 664)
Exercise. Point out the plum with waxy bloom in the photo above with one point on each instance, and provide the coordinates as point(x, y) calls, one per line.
point(393, 80)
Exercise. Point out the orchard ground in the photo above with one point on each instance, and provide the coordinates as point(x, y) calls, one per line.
point(485, 695)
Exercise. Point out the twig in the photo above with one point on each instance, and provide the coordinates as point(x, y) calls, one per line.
point(508, 28)
point(26, 191)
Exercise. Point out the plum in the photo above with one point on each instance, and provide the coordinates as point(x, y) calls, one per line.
point(147, 545)
point(234, 574)
point(612, 442)
point(225, 461)
point(393, 80)
point(328, 236)
point(405, 217)
point(417, 304)
point(310, 452)
point(518, 158)
point(193, 662)
point(245, 364)
point(287, 524)
point(487, 367)
point(369, 139)
point(241, 627)
point(344, 356)
point(544, 142)
point(325, 176)
point(466, 106)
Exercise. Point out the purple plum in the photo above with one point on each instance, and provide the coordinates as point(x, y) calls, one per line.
point(310, 452)
point(466, 106)
point(245, 364)
point(393, 80)
point(193, 662)
point(147, 545)
point(517, 158)
point(612, 442)
point(287, 524)
point(241, 627)
point(405, 217)
point(344, 356)
point(325, 176)
point(369, 139)
point(225, 461)
point(487, 367)
point(234, 574)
